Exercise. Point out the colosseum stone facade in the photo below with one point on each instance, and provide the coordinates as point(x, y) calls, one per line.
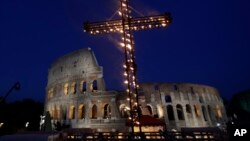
point(76, 96)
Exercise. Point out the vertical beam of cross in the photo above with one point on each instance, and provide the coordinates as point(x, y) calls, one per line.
point(130, 65)
point(126, 26)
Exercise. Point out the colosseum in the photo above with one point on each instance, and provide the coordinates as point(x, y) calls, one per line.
point(76, 96)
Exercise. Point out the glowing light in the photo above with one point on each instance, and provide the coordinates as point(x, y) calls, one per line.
point(1, 124)
point(122, 44)
point(124, 5)
point(27, 124)
point(129, 46)
point(160, 110)
point(120, 13)
point(126, 25)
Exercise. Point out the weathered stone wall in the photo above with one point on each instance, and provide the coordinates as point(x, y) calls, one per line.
point(184, 104)
point(76, 93)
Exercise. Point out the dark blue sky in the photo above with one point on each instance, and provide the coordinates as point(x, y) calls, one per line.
point(208, 42)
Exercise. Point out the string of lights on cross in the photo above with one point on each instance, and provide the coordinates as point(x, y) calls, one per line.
point(125, 26)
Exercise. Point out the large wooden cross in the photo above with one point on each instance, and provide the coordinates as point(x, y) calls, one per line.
point(126, 26)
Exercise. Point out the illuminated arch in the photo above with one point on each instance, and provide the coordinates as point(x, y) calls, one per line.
point(94, 111)
point(81, 111)
point(72, 112)
point(66, 89)
point(107, 111)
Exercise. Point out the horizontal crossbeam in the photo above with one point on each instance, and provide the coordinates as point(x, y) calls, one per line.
point(137, 23)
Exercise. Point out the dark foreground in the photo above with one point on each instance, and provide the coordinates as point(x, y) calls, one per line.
point(78, 135)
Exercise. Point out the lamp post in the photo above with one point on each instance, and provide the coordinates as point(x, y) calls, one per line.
point(16, 86)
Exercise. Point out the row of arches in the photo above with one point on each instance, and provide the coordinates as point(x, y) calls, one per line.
point(148, 110)
point(72, 88)
point(168, 98)
point(206, 111)
point(83, 87)
point(70, 113)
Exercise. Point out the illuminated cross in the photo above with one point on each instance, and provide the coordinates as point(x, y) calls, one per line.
point(126, 25)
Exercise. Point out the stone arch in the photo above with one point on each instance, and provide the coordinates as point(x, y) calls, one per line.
point(189, 113)
point(168, 98)
point(66, 88)
point(72, 112)
point(218, 113)
point(83, 86)
point(170, 112)
point(188, 109)
point(204, 111)
point(94, 111)
point(180, 113)
point(64, 113)
point(197, 111)
point(201, 100)
point(210, 112)
point(73, 88)
point(94, 86)
point(56, 112)
point(150, 109)
point(81, 111)
point(106, 111)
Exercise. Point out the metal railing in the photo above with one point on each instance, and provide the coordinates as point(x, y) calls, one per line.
point(169, 136)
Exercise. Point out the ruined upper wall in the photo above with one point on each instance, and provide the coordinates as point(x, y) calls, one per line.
point(179, 90)
point(80, 64)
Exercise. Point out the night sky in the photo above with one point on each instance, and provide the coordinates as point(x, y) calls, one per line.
point(208, 42)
